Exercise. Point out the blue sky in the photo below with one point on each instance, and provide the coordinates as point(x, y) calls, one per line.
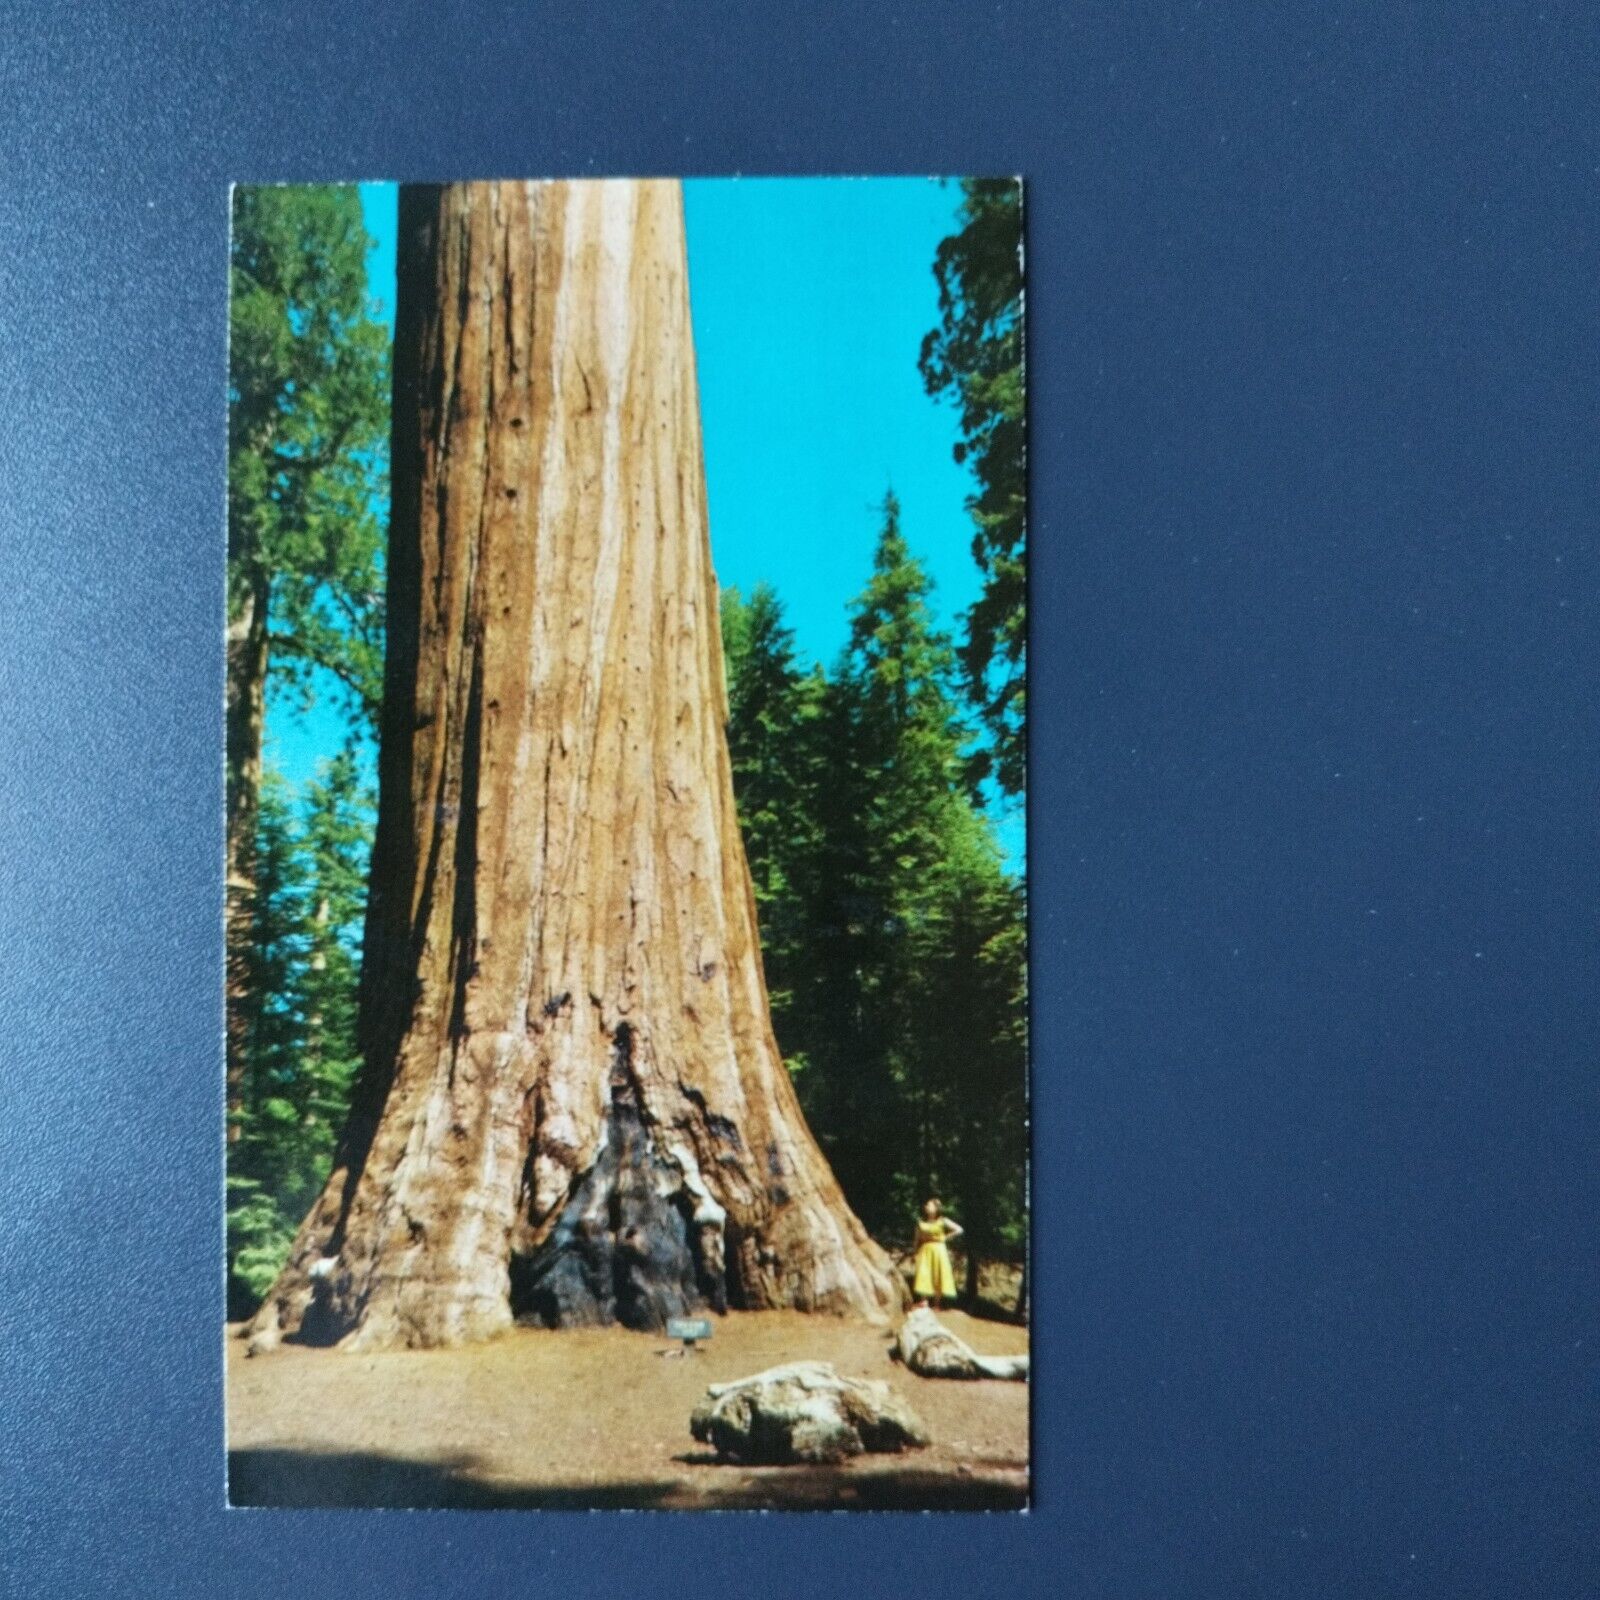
point(810, 297)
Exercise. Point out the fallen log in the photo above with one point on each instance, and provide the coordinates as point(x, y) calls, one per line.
point(929, 1349)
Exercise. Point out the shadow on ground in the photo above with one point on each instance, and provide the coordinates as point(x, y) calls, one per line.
point(985, 1309)
point(314, 1478)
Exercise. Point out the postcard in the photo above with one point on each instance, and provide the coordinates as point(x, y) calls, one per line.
point(626, 1090)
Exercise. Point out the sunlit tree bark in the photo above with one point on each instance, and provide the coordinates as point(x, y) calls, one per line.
point(572, 1107)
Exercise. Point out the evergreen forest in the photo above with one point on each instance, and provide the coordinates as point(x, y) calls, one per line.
point(893, 927)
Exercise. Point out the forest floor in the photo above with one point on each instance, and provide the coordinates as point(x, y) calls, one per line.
point(597, 1417)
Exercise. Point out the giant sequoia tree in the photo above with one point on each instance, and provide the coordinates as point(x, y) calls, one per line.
point(974, 356)
point(571, 1106)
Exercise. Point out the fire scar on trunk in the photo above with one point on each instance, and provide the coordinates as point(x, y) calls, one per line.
point(632, 1242)
point(571, 1108)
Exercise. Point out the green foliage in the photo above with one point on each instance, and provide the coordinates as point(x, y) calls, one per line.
point(893, 938)
point(774, 738)
point(301, 1052)
point(259, 1237)
point(308, 404)
point(308, 419)
point(975, 357)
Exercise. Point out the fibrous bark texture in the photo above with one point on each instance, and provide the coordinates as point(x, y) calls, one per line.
point(572, 1106)
point(246, 697)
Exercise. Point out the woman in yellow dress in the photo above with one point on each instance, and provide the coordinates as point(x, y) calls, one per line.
point(935, 1277)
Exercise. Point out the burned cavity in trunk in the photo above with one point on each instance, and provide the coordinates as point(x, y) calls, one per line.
point(630, 1244)
point(556, 819)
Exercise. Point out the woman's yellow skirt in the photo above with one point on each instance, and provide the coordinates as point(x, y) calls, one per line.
point(935, 1276)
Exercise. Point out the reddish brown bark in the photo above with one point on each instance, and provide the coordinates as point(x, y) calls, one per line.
point(572, 1104)
point(246, 704)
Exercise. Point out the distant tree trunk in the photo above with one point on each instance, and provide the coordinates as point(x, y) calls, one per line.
point(246, 701)
point(572, 1107)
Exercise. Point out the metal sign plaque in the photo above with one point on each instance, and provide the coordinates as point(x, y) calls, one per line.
point(689, 1329)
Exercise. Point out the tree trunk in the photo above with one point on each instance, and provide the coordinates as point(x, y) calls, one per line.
point(246, 701)
point(572, 1108)
point(969, 1292)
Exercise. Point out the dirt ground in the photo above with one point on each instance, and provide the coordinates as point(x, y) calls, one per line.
point(599, 1418)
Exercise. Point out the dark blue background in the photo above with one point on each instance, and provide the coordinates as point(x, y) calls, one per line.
point(1314, 408)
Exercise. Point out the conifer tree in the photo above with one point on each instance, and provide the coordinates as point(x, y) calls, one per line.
point(300, 1052)
point(975, 357)
point(259, 1115)
point(307, 454)
point(336, 842)
point(907, 1005)
point(773, 716)
point(888, 761)
point(970, 1016)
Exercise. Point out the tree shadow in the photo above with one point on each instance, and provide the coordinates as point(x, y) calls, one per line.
point(365, 1479)
point(308, 1478)
point(860, 1487)
point(984, 1309)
